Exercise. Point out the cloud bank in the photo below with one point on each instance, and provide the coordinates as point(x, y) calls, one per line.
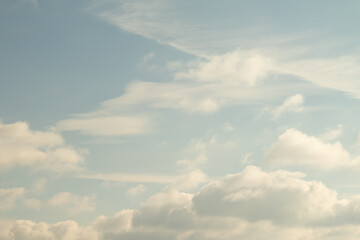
point(251, 204)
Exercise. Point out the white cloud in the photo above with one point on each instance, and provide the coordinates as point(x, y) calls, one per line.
point(128, 177)
point(171, 24)
point(234, 68)
point(340, 73)
point(205, 85)
point(190, 180)
point(280, 196)
point(29, 230)
point(190, 97)
point(209, 84)
point(108, 126)
point(186, 181)
point(137, 190)
point(9, 197)
point(174, 25)
point(296, 148)
point(332, 134)
point(291, 104)
point(252, 204)
point(41, 150)
point(199, 151)
point(192, 163)
point(195, 155)
point(72, 203)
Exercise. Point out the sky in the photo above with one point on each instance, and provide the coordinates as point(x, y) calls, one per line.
point(179, 120)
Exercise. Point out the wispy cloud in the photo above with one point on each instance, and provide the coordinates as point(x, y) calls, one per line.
point(291, 104)
point(128, 177)
point(173, 23)
point(107, 126)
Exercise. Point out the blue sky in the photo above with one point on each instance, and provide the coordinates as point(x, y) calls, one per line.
point(179, 119)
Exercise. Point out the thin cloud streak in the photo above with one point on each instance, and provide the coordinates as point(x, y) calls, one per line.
point(128, 177)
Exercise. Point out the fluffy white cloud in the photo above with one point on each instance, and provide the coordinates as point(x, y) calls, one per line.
point(42, 150)
point(29, 230)
point(296, 148)
point(252, 204)
point(280, 196)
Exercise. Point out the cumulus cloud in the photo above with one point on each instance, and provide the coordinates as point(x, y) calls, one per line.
point(296, 148)
point(70, 203)
point(41, 150)
point(252, 204)
point(280, 196)
point(29, 230)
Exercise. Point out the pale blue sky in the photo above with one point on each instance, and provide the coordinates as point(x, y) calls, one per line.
point(140, 110)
